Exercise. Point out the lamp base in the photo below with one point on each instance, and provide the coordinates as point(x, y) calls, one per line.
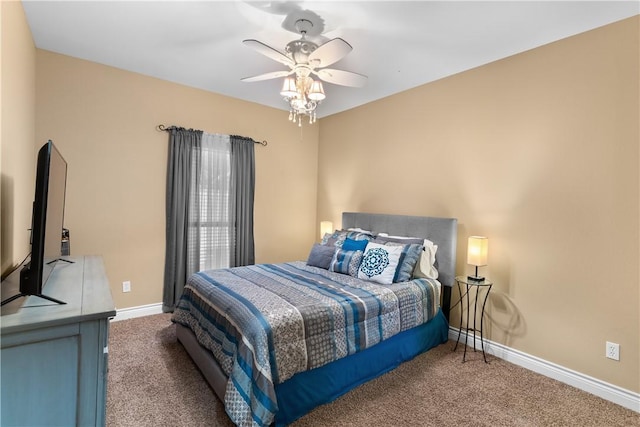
point(476, 278)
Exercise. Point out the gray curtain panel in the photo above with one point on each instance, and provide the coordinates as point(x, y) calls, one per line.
point(186, 179)
point(241, 200)
point(184, 149)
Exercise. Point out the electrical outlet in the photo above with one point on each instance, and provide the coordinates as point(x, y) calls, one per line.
point(126, 286)
point(613, 351)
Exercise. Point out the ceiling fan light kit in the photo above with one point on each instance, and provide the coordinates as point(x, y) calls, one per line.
point(303, 94)
point(304, 58)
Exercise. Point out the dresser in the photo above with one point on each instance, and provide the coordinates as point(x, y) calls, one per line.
point(54, 357)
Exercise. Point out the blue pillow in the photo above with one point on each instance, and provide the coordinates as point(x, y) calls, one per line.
point(354, 245)
point(408, 260)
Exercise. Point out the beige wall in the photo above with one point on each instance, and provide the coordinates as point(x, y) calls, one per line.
point(539, 152)
point(17, 130)
point(104, 122)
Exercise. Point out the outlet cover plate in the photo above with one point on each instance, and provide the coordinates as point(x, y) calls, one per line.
point(613, 351)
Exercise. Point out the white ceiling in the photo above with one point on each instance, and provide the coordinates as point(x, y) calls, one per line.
point(397, 44)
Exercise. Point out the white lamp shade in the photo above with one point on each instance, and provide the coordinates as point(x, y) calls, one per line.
point(316, 93)
point(477, 250)
point(289, 89)
point(325, 227)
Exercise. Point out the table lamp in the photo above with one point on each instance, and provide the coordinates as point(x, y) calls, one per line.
point(477, 250)
point(325, 227)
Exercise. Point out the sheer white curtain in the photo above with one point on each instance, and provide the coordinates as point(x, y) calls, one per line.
point(209, 238)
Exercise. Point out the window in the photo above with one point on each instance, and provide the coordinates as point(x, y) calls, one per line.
point(209, 223)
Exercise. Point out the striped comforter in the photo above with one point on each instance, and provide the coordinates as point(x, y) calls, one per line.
point(265, 323)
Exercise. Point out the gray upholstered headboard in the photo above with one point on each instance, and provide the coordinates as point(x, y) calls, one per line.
point(441, 231)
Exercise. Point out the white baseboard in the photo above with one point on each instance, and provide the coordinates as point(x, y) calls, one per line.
point(607, 391)
point(140, 311)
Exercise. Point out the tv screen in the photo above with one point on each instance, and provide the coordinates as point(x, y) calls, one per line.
point(47, 222)
point(48, 214)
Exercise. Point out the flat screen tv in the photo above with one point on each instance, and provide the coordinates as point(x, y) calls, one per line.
point(46, 223)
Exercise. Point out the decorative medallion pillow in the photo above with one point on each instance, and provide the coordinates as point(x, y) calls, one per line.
point(379, 263)
point(346, 262)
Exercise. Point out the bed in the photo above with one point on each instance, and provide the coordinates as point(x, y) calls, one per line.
point(271, 363)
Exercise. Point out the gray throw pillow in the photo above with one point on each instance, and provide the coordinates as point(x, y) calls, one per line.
point(321, 256)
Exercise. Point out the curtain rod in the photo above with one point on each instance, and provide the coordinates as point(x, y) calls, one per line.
point(163, 128)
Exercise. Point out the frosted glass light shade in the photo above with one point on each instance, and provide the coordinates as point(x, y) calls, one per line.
point(325, 227)
point(289, 89)
point(316, 93)
point(477, 250)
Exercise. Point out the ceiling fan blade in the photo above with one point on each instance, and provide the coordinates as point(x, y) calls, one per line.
point(267, 76)
point(269, 52)
point(340, 77)
point(330, 52)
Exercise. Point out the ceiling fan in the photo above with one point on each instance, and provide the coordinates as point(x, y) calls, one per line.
point(305, 58)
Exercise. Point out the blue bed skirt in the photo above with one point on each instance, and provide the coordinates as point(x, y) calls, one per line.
point(307, 390)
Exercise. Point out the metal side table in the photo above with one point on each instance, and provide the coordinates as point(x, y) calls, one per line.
point(469, 284)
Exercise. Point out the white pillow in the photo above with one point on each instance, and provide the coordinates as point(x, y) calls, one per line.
point(379, 263)
point(425, 267)
point(360, 230)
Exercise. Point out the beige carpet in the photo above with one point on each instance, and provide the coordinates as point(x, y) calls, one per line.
point(152, 382)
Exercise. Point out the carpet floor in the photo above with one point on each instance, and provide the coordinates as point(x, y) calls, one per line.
point(153, 382)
